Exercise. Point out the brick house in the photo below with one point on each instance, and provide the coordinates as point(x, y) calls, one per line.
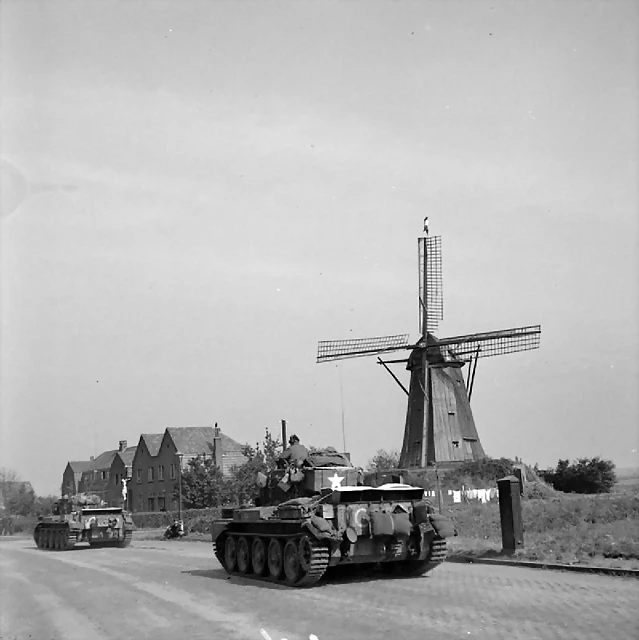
point(144, 457)
point(121, 467)
point(96, 478)
point(72, 475)
point(155, 478)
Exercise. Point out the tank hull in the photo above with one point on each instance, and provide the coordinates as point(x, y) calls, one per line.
point(297, 542)
point(108, 527)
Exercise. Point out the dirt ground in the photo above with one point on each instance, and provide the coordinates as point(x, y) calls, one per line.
point(166, 590)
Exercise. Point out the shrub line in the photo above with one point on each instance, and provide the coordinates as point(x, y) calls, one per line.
point(463, 559)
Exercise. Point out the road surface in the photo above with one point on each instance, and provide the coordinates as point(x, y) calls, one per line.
point(177, 590)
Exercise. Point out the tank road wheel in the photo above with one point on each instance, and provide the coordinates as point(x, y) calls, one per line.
point(258, 556)
point(49, 543)
point(57, 540)
point(291, 562)
point(275, 559)
point(243, 555)
point(230, 554)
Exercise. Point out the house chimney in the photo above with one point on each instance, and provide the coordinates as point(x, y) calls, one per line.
point(122, 445)
point(217, 431)
point(92, 458)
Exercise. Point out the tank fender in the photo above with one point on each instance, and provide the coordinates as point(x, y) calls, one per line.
point(442, 525)
point(321, 529)
point(426, 535)
point(218, 528)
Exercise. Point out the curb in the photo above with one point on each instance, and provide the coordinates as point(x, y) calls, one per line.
point(629, 573)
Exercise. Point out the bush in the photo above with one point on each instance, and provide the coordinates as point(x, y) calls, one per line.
point(478, 474)
point(587, 475)
point(384, 461)
point(195, 520)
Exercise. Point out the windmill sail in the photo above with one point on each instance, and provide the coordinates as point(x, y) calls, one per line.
point(431, 292)
point(342, 349)
point(492, 343)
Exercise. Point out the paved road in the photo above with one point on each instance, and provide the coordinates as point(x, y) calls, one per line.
point(174, 590)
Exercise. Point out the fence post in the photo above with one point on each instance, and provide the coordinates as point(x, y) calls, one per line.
point(512, 529)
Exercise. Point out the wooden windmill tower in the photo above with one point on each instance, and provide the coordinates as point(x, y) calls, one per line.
point(440, 428)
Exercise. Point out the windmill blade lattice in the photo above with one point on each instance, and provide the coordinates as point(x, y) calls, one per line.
point(431, 290)
point(492, 343)
point(341, 349)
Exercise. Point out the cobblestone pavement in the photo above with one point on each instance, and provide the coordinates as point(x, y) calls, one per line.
point(161, 590)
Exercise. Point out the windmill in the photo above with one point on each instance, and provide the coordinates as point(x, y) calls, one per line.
point(440, 428)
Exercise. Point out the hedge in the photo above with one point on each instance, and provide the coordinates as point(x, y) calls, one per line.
point(195, 520)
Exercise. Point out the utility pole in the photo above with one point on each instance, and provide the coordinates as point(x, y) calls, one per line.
point(180, 486)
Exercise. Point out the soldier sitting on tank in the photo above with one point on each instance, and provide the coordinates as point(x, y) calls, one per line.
point(296, 454)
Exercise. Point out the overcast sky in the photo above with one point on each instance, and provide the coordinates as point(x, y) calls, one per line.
point(195, 193)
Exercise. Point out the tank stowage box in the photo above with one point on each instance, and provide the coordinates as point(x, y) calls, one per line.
point(330, 521)
point(82, 519)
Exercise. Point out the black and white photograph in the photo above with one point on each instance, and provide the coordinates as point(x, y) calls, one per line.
point(319, 319)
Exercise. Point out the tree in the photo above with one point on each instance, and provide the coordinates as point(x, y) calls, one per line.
point(202, 484)
point(587, 475)
point(241, 486)
point(43, 505)
point(384, 460)
point(19, 499)
point(18, 496)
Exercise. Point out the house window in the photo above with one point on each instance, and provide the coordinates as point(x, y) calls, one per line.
point(173, 469)
point(151, 504)
point(139, 475)
point(117, 478)
point(150, 476)
point(161, 472)
point(104, 475)
point(161, 503)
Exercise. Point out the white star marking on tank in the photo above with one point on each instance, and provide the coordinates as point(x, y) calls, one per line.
point(336, 481)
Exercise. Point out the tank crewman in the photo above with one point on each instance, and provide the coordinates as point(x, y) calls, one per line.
point(296, 454)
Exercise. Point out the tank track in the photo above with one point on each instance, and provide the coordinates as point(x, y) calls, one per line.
point(56, 538)
point(302, 559)
point(60, 538)
point(436, 556)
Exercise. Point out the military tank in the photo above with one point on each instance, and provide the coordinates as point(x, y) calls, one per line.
point(310, 519)
point(83, 518)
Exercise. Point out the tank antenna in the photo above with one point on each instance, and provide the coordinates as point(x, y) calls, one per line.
point(341, 393)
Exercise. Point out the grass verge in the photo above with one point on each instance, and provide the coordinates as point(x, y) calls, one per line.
point(593, 530)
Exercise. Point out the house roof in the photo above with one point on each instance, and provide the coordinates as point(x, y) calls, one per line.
point(152, 442)
point(127, 455)
point(195, 440)
point(228, 444)
point(103, 461)
point(192, 440)
point(78, 466)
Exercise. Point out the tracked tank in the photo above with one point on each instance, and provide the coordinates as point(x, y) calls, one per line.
point(311, 519)
point(83, 519)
